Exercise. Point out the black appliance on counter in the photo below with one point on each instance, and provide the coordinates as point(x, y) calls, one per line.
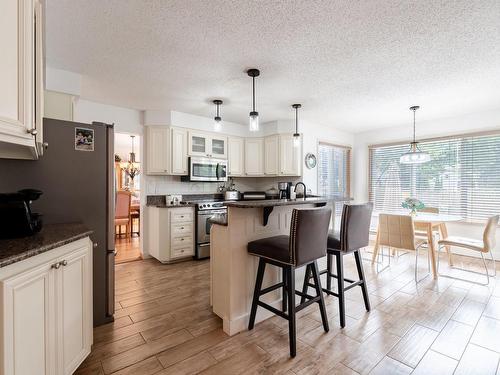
point(16, 218)
point(284, 189)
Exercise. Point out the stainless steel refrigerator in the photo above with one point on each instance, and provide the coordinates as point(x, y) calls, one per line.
point(77, 186)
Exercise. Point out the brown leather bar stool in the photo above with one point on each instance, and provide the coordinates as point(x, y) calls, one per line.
point(353, 236)
point(306, 243)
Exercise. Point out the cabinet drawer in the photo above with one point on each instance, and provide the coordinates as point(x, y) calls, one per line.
point(182, 252)
point(181, 241)
point(180, 217)
point(185, 229)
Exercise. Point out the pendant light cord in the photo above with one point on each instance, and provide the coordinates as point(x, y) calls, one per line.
point(253, 92)
point(414, 111)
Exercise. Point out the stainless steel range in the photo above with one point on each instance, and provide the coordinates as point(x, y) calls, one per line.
point(205, 210)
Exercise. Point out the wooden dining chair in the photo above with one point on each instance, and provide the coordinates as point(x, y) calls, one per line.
point(122, 212)
point(398, 231)
point(484, 246)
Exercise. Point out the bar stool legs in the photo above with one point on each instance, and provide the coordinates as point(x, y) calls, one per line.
point(341, 279)
point(287, 286)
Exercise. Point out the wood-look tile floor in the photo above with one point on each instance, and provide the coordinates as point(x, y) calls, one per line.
point(164, 325)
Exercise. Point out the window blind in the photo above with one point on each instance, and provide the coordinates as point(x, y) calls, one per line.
point(463, 177)
point(334, 173)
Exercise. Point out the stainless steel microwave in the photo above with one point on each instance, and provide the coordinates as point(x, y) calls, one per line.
point(207, 169)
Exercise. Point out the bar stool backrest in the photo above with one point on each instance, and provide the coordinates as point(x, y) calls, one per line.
point(308, 234)
point(355, 226)
point(490, 233)
point(396, 231)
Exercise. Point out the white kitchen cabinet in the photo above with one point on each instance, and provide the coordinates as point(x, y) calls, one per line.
point(46, 313)
point(179, 155)
point(21, 77)
point(271, 155)
point(254, 156)
point(171, 233)
point(207, 145)
point(236, 156)
point(290, 156)
point(157, 150)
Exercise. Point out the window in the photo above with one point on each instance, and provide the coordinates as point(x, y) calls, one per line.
point(463, 177)
point(334, 174)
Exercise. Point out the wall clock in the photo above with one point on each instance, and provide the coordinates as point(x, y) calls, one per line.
point(310, 160)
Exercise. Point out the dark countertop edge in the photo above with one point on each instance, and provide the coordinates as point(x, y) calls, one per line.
point(275, 202)
point(50, 237)
point(173, 206)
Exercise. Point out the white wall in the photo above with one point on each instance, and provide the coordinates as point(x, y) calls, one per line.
point(488, 120)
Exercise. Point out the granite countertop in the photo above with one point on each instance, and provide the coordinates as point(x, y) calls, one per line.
point(218, 219)
point(277, 202)
point(51, 236)
point(171, 206)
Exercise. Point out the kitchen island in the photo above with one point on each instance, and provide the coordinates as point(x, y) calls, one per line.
point(233, 270)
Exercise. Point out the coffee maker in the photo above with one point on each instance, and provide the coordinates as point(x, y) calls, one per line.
point(284, 189)
point(16, 218)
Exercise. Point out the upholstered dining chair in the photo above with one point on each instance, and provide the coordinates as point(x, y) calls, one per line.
point(398, 231)
point(484, 246)
point(122, 212)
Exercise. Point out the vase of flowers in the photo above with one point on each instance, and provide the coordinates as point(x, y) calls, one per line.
point(413, 204)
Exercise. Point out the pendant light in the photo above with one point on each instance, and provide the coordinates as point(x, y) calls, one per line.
point(253, 123)
point(296, 135)
point(414, 155)
point(217, 118)
point(131, 168)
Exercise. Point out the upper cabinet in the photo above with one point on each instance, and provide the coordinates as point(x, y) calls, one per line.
point(207, 145)
point(236, 156)
point(157, 149)
point(254, 157)
point(21, 77)
point(271, 155)
point(290, 156)
point(179, 151)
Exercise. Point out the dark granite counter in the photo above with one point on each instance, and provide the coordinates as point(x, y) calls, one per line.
point(277, 202)
point(50, 237)
point(172, 206)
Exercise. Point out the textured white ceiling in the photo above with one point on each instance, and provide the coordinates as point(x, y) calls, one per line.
point(354, 65)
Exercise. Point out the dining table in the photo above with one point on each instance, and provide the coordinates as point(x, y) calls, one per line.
point(428, 223)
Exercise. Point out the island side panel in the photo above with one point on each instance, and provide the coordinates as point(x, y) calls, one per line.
point(234, 270)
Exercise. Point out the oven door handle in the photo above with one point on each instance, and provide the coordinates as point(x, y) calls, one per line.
point(217, 171)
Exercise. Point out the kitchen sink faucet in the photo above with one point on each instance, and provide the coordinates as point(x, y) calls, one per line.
point(304, 187)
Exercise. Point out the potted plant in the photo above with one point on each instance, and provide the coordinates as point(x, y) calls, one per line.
point(413, 204)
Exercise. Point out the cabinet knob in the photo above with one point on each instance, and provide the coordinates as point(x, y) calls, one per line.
point(182, 227)
point(64, 263)
point(33, 131)
point(45, 145)
point(95, 245)
point(56, 265)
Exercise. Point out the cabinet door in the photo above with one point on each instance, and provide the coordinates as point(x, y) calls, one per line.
point(179, 151)
point(271, 155)
point(73, 287)
point(157, 150)
point(254, 157)
point(28, 320)
point(290, 156)
point(16, 71)
point(218, 147)
point(198, 144)
point(235, 149)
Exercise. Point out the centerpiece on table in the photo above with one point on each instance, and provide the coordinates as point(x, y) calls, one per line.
point(413, 204)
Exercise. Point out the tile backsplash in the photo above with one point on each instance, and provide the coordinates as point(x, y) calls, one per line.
point(157, 185)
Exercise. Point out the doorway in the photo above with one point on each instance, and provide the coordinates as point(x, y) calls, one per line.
point(128, 236)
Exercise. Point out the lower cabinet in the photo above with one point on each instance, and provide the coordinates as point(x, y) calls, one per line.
point(46, 314)
point(171, 233)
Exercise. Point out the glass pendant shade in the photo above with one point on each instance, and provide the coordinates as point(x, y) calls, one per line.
point(296, 140)
point(217, 124)
point(296, 135)
point(253, 123)
point(414, 156)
